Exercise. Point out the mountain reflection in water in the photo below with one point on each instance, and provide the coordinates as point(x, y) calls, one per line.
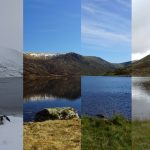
point(68, 88)
point(50, 93)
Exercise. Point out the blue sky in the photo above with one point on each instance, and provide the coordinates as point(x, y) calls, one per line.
point(90, 27)
point(52, 25)
point(106, 29)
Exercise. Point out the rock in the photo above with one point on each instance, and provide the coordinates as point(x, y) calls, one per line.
point(63, 113)
point(2, 118)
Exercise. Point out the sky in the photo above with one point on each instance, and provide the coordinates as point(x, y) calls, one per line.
point(106, 29)
point(89, 27)
point(52, 25)
point(11, 24)
point(140, 29)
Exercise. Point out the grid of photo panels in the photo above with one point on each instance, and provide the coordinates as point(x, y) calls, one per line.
point(74, 75)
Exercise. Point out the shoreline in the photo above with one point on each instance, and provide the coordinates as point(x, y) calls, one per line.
point(56, 134)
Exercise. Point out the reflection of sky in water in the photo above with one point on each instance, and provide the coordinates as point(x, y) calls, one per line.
point(141, 98)
point(106, 96)
point(39, 98)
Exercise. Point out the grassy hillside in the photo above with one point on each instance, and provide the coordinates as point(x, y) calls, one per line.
point(137, 68)
point(125, 71)
point(141, 67)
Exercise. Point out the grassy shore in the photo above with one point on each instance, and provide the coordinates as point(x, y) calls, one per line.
point(92, 134)
point(141, 135)
point(103, 134)
point(52, 135)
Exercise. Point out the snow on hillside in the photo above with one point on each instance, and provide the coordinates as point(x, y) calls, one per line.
point(11, 134)
point(11, 63)
point(42, 54)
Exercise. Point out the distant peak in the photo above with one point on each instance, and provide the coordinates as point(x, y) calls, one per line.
point(73, 54)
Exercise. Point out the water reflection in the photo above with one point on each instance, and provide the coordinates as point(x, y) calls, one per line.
point(141, 98)
point(68, 88)
point(49, 93)
point(11, 92)
point(106, 96)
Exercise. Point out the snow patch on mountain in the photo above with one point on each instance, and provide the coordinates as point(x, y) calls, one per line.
point(11, 63)
point(42, 54)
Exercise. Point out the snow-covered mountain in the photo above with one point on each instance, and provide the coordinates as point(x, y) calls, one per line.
point(11, 63)
point(46, 55)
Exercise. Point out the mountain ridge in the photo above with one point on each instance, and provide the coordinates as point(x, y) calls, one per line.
point(67, 64)
point(136, 68)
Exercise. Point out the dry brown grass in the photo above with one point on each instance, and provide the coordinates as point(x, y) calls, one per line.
point(53, 135)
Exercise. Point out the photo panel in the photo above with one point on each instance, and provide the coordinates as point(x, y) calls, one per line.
point(52, 85)
point(11, 78)
point(106, 91)
point(141, 75)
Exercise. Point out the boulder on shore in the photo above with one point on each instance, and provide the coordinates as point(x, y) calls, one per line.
point(63, 113)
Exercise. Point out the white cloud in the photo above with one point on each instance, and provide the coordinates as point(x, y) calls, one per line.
point(93, 32)
point(140, 28)
point(102, 26)
point(88, 7)
point(138, 55)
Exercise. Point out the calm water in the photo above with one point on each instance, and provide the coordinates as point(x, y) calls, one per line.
point(106, 96)
point(141, 98)
point(100, 95)
point(40, 94)
point(11, 91)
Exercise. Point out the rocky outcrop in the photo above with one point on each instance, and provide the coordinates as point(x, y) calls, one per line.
point(64, 113)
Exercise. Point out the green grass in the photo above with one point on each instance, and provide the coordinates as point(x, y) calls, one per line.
point(103, 134)
point(141, 135)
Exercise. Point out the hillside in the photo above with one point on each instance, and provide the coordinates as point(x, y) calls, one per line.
point(141, 67)
point(137, 68)
point(11, 64)
point(65, 64)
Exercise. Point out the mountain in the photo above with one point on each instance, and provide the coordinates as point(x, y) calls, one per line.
point(11, 63)
point(136, 68)
point(122, 65)
point(141, 67)
point(66, 64)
